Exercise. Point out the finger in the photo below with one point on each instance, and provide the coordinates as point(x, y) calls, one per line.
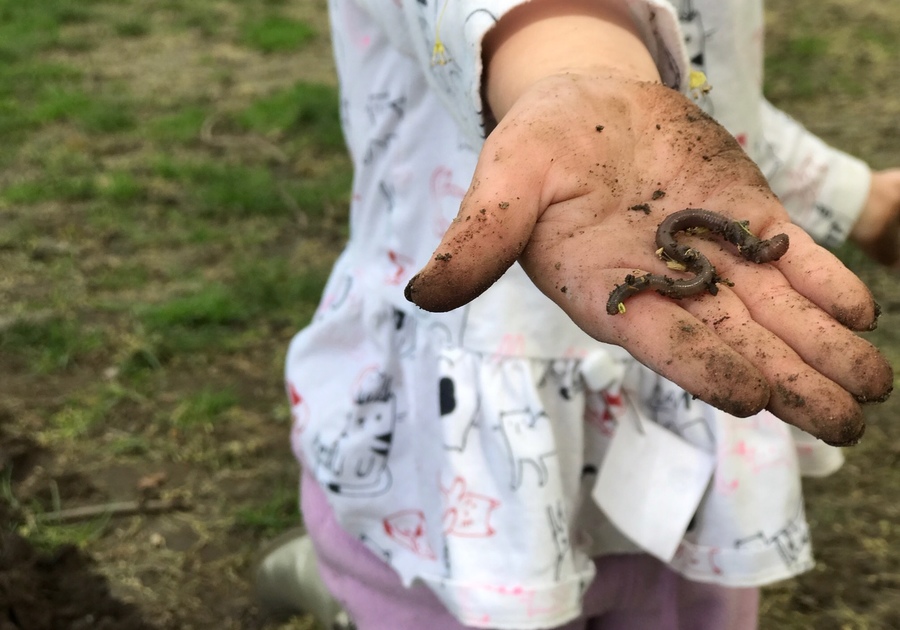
point(818, 274)
point(819, 340)
point(660, 334)
point(800, 394)
point(493, 226)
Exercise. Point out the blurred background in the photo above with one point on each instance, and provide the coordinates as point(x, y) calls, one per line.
point(173, 189)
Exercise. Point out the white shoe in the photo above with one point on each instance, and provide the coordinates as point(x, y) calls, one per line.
point(288, 582)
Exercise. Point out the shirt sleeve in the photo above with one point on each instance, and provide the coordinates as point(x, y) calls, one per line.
point(822, 188)
point(445, 37)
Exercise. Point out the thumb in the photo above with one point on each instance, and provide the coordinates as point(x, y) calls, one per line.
point(495, 222)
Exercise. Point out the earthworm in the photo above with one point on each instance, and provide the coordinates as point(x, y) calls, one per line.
point(705, 278)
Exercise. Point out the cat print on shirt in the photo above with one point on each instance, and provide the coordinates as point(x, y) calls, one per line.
point(403, 330)
point(529, 440)
point(385, 554)
point(559, 527)
point(300, 417)
point(459, 408)
point(408, 529)
point(356, 463)
point(384, 112)
point(446, 195)
point(792, 541)
point(565, 376)
point(466, 513)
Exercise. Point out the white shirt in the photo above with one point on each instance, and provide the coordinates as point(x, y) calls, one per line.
point(480, 450)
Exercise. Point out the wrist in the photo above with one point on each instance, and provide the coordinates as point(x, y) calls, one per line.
point(877, 230)
point(544, 38)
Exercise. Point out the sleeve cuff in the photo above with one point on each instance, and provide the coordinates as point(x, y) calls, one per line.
point(844, 194)
point(822, 188)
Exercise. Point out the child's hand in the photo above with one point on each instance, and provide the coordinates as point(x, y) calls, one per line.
point(877, 231)
point(556, 188)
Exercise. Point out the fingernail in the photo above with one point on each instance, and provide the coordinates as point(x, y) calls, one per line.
point(410, 289)
point(877, 315)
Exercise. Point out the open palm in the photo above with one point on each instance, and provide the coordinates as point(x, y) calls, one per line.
point(573, 183)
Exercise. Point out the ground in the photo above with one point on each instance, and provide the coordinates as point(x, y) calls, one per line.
point(172, 188)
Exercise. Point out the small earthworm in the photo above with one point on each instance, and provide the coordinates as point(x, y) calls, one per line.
point(735, 232)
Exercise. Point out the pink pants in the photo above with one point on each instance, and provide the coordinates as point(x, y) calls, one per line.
point(630, 592)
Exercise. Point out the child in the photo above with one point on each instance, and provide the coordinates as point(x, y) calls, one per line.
point(503, 458)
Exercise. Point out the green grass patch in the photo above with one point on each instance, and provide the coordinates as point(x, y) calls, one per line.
point(70, 183)
point(132, 28)
point(225, 317)
point(130, 445)
point(276, 34)
point(306, 111)
point(28, 79)
point(78, 44)
point(882, 34)
point(75, 422)
point(320, 195)
point(213, 305)
point(52, 186)
point(120, 187)
point(207, 18)
point(802, 67)
point(238, 191)
point(49, 345)
point(220, 191)
point(92, 112)
point(270, 287)
point(203, 409)
point(28, 28)
point(50, 536)
point(263, 288)
point(24, 84)
point(60, 104)
point(139, 361)
point(14, 124)
point(270, 517)
point(791, 66)
point(184, 341)
point(129, 275)
point(226, 190)
point(21, 86)
point(88, 410)
point(180, 127)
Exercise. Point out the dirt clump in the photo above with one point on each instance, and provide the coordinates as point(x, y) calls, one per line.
point(51, 590)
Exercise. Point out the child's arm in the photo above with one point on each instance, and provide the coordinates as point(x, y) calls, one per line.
point(584, 136)
point(830, 194)
point(877, 230)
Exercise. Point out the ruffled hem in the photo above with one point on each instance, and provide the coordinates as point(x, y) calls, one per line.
point(448, 462)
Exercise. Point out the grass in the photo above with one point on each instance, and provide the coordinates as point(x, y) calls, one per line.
point(303, 111)
point(150, 212)
point(156, 273)
point(224, 190)
point(50, 537)
point(49, 345)
point(203, 409)
point(178, 128)
point(275, 515)
point(225, 317)
point(132, 28)
point(798, 68)
point(275, 33)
